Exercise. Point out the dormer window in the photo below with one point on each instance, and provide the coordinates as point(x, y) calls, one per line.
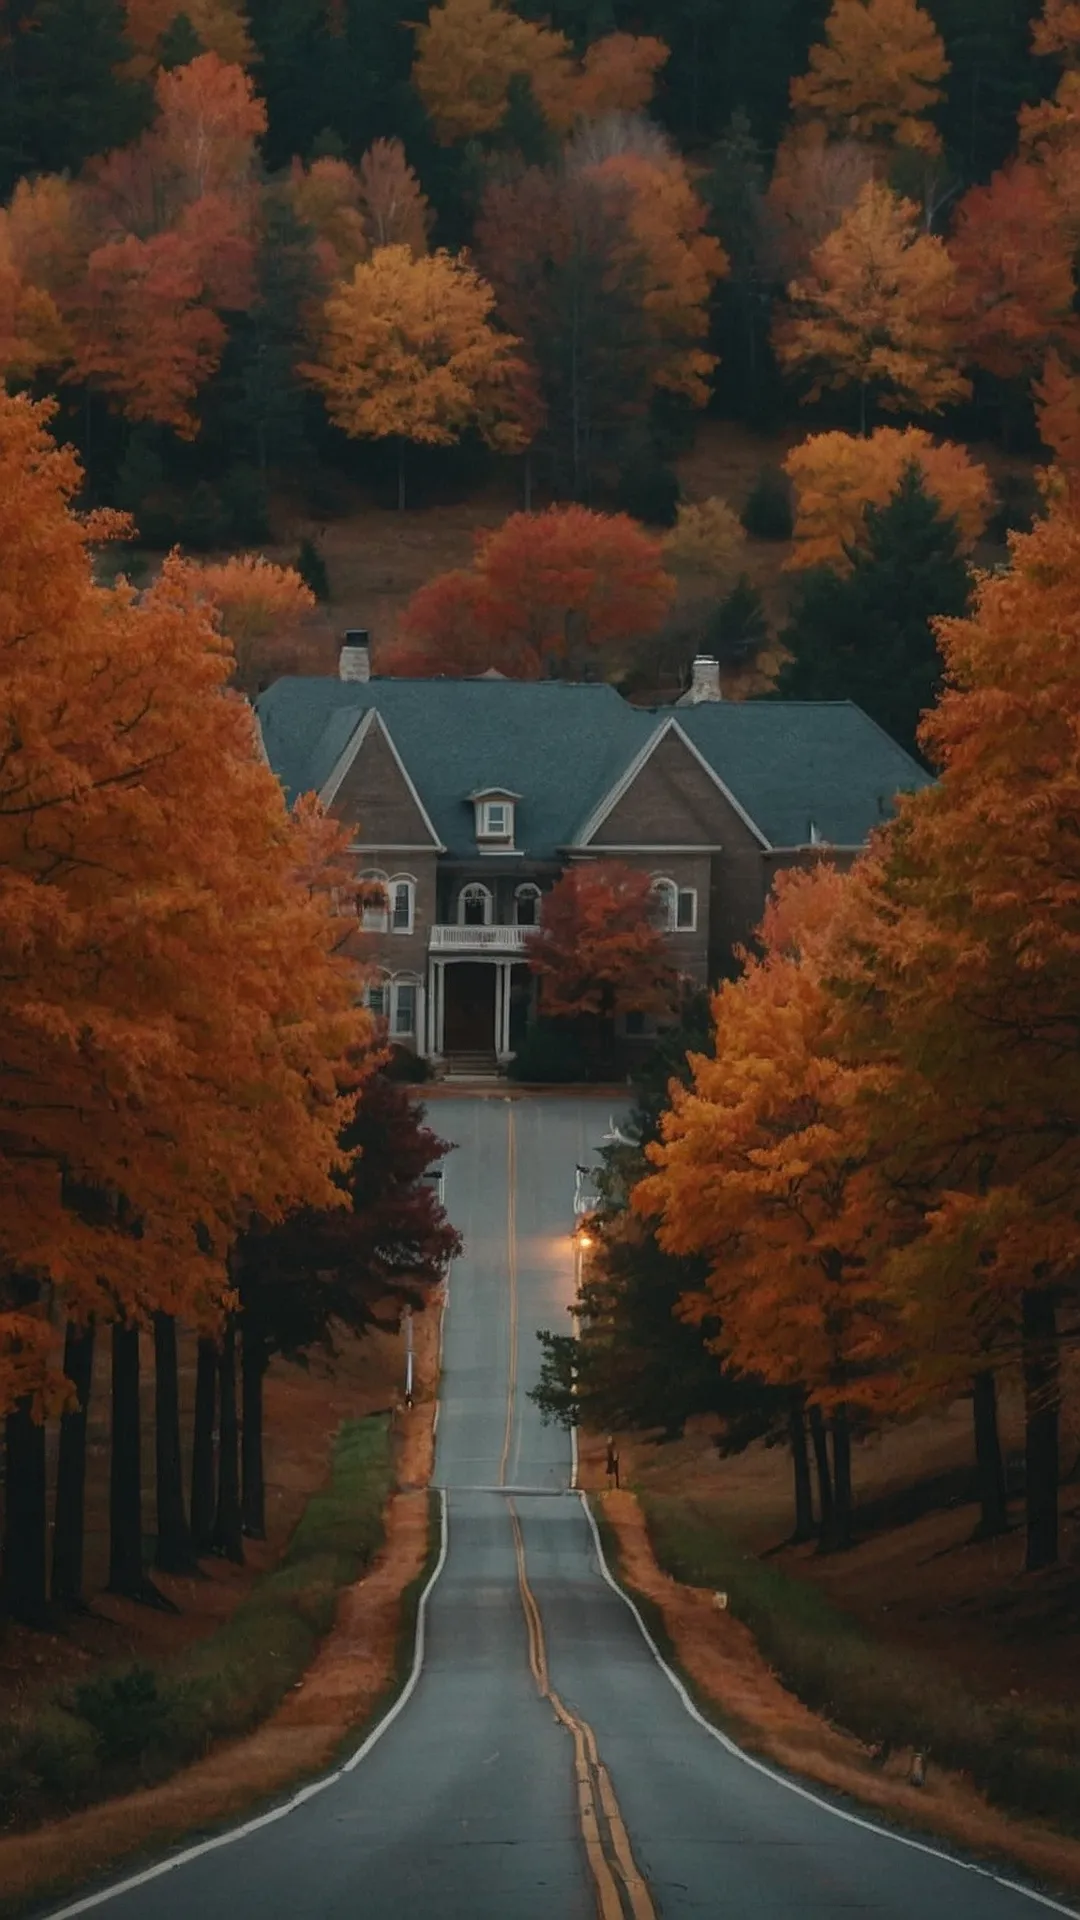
point(494, 808)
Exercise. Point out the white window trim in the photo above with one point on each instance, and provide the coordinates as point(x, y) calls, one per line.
point(664, 887)
point(474, 888)
point(380, 916)
point(527, 890)
point(412, 981)
point(401, 880)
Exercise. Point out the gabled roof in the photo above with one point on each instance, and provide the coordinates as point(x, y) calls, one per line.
point(663, 730)
point(565, 747)
point(559, 745)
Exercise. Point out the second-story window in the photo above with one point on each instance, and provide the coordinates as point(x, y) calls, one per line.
point(375, 903)
point(402, 894)
point(675, 908)
point(527, 906)
point(474, 906)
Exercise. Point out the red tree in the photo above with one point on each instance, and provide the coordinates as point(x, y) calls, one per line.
point(600, 951)
point(546, 591)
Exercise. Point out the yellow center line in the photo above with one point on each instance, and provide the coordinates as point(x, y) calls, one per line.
point(512, 1280)
point(591, 1776)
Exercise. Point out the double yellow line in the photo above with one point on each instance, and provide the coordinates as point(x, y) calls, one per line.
point(618, 1884)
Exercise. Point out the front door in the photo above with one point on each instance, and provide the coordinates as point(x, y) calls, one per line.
point(469, 1018)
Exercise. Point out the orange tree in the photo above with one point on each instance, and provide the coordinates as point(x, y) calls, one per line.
point(1013, 299)
point(838, 475)
point(870, 311)
point(178, 1006)
point(876, 75)
point(765, 1167)
point(966, 959)
point(545, 593)
point(599, 952)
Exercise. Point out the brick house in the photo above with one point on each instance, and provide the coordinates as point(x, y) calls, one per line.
point(470, 797)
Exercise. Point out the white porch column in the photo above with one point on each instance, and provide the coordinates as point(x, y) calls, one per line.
point(502, 1003)
point(497, 1036)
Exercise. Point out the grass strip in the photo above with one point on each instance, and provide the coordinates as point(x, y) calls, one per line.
point(1024, 1756)
point(133, 1725)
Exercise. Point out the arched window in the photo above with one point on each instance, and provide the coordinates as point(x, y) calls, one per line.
point(676, 907)
point(401, 896)
point(527, 905)
point(375, 910)
point(404, 1005)
point(474, 906)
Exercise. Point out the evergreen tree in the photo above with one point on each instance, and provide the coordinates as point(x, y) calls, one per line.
point(266, 403)
point(63, 95)
point(311, 567)
point(735, 189)
point(866, 635)
point(179, 44)
point(738, 628)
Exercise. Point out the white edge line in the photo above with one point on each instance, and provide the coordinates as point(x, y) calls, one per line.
point(188, 1854)
point(779, 1779)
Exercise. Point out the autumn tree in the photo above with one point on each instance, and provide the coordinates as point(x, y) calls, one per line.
point(268, 617)
point(766, 1168)
point(395, 210)
point(571, 285)
point(600, 952)
point(876, 75)
point(408, 353)
point(546, 593)
point(968, 947)
point(326, 198)
point(868, 634)
point(870, 313)
point(217, 26)
point(65, 88)
point(681, 261)
point(1013, 297)
point(815, 182)
point(470, 52)
point(177, 1001)
point(836, 476)
point(1057, 395)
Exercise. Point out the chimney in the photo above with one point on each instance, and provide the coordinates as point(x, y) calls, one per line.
point(705, 680)
point(354, 662)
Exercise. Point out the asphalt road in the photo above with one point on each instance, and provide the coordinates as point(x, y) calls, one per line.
point(544, 1767)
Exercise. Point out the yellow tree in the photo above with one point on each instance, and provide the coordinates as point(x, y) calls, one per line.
point(870, 312)
point(467, 53)
point(876, 75)
point(836, 476)
point(408, 353)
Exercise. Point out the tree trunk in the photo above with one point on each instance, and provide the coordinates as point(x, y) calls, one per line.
point(826, 1502)
point(173, 1552)
point(22, 1581)
point(70, 1508)
point(989, 1464)
point(800, 1463)
point(841, 1443)
point(202, 1448)
point(228, 1532)
point(1042, 1406)
point(253, 1498)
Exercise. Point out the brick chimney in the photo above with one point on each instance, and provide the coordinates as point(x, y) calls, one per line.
point(704, 681)
point(354, 661)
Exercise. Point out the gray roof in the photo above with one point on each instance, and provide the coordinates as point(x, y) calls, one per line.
point(563, 746)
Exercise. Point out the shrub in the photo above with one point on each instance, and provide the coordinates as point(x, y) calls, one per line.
point(125, 1710)
point(768, 513)
point(551, 1052)
point(406, 1065)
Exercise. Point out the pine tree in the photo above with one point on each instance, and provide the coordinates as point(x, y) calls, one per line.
point(63, 95)
point(867, 636)
point(311, 567)
point(179, 43)
point(738, 629)
point(266, 403)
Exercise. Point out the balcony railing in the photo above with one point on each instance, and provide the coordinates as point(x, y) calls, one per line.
point(479, 939)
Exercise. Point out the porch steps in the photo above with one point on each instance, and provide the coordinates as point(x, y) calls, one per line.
point(471, 1066)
